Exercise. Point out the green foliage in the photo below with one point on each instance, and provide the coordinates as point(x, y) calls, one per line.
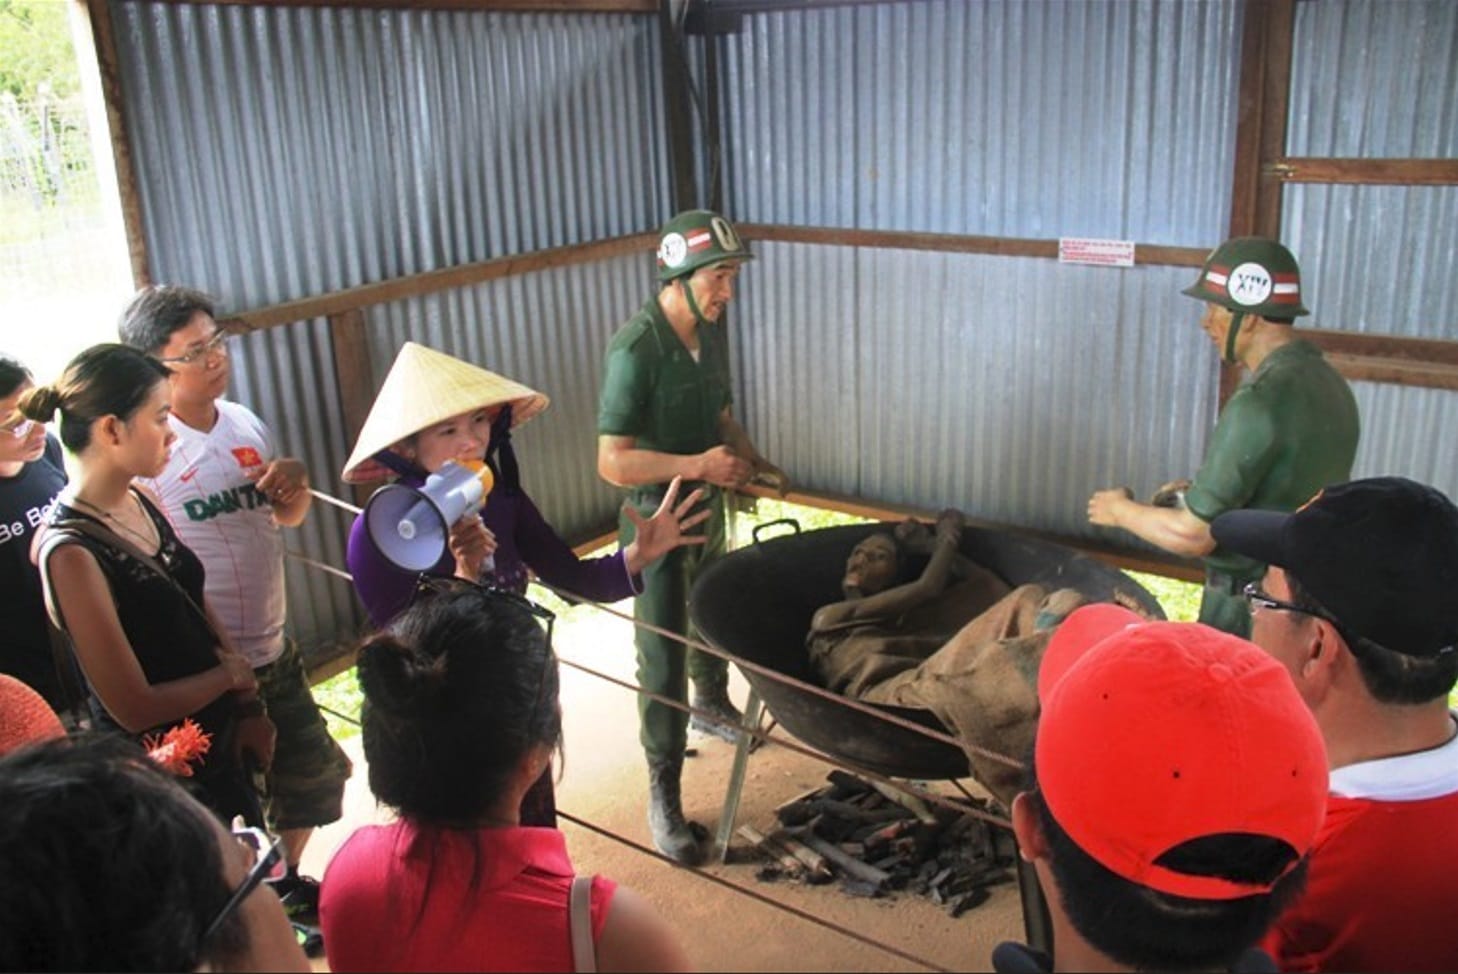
point(340, 694)
point(35, 49)
point(1180, 600)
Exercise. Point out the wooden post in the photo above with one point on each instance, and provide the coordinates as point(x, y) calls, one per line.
point(353, 372)
point(103, 34)
point(1260, 129)
point(676, 104)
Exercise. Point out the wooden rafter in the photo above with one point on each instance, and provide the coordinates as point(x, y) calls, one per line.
point(448, 278)
point(1375, 172)
point(951, 243)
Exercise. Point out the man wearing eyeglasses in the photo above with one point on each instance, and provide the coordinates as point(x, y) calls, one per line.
point(1360, 604)
point(228, 493)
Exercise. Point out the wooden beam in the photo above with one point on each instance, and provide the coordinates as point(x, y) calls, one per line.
point(1373, 172)
point(97, 14)
point(352, 368)
point(1260, 130)
point(1436, 351)
point(683, 187)
point(1280, 42)
point(1429, 375)
point(1250, 102)
point(354, 373)
point(463, 275)
point(948, 243)
point(1396, 359)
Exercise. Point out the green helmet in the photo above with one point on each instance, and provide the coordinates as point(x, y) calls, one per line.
point(1251, 275)
point(694, 239)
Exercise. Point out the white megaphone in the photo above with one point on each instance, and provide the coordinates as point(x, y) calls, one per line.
point(411, 526)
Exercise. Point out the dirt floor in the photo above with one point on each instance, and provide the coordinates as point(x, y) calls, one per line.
point(604, 783)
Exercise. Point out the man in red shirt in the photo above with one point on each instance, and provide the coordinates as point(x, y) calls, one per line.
point(1359, 606)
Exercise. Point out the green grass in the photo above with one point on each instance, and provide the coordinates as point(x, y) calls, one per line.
point(1180, 600)
point(340, 693)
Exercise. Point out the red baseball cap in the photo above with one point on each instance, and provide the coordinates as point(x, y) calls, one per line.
point(25, 717)
point(1154, 734)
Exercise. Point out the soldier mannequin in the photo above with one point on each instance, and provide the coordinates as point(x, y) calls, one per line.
point(1288, 431)
point(665, 412)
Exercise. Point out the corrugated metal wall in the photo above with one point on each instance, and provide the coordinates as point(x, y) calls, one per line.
point(1373, 79)
point(288, 152)
point(327, 147)
point(548, 330)
point(1018, 118)
point(1009, 387)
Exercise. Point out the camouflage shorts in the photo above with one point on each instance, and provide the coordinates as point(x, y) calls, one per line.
point(305, 786)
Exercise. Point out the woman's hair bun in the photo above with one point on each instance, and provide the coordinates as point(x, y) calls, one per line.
point(396, 678)
point(40, 403)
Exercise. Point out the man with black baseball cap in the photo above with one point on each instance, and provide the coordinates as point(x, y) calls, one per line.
point(1360, 604)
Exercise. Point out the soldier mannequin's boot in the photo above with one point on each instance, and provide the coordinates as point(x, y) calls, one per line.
point(673, 835)
point(711, 695)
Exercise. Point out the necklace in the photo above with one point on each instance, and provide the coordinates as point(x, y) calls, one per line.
point(150, 541)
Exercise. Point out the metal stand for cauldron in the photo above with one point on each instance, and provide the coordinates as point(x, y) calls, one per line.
point(753, 708)
point(1037, 924)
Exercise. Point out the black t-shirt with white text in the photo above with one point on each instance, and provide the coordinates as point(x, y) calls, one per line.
point(25, 499)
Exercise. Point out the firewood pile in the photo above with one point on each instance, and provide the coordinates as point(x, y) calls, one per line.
point(876, 840)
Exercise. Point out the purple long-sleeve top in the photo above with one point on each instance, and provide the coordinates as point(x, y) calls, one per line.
point(524, 540)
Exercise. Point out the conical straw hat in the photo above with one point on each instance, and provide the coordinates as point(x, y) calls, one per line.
point(424, 387)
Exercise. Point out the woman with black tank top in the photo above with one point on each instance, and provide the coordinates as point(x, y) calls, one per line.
point(127, 592)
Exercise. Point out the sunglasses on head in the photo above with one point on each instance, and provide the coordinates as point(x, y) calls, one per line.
point(428, 585)
point(268, 866)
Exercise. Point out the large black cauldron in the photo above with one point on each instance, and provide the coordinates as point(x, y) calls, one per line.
point(757, 602)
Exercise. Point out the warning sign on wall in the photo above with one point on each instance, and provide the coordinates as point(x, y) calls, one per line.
point(1105, 253)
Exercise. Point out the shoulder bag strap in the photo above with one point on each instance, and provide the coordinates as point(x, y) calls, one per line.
point(100, 532)
point(63, 656)
point(584, 951)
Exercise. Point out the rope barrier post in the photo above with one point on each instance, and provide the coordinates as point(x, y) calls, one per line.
point(730, 811)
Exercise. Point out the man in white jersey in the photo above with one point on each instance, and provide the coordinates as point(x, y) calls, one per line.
point(227, 492)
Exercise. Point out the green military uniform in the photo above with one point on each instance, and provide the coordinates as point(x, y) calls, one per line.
point(1285, 434)
point(655, 392)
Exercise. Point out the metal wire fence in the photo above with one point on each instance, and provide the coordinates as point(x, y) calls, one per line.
point(63, 268)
